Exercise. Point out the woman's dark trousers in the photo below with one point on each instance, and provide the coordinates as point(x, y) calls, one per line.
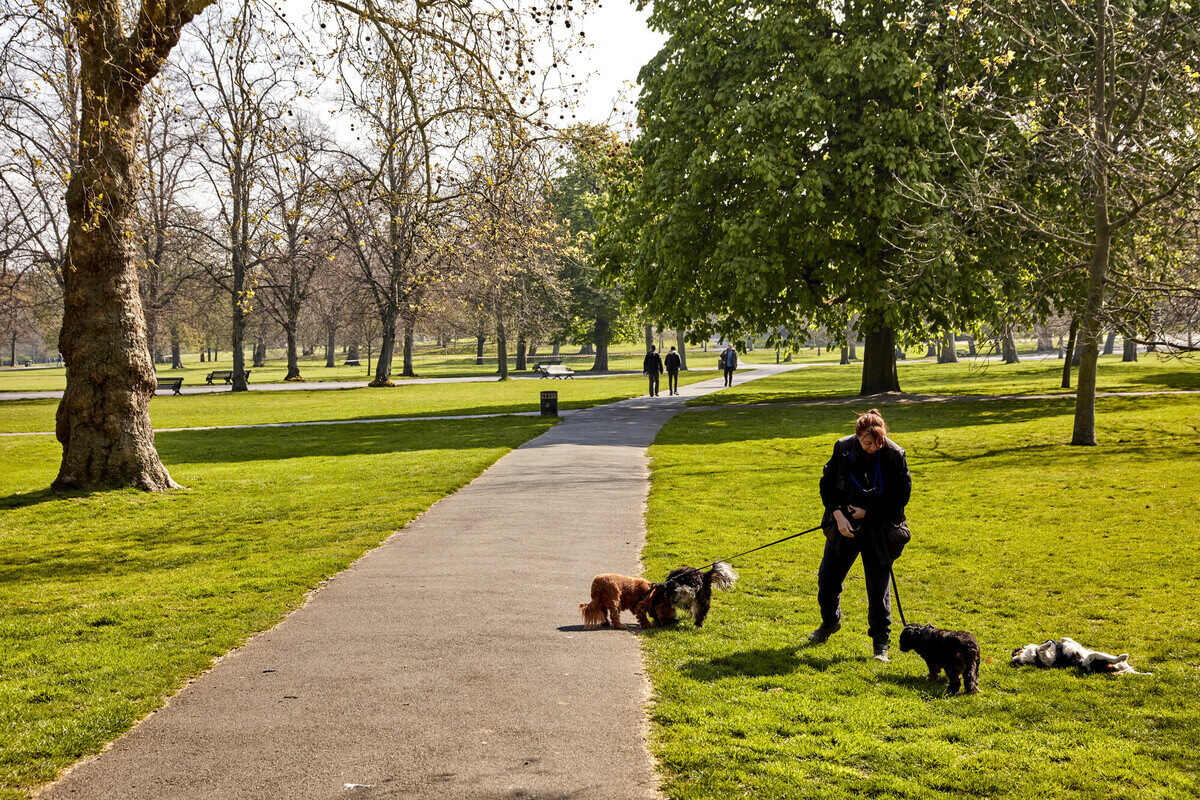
point(840, 553)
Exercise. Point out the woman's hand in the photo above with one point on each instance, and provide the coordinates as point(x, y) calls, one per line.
point(843, 524)
point(856, 512)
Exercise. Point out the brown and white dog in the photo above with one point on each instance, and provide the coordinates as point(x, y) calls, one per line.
point(612, 594)
point(1066, 652)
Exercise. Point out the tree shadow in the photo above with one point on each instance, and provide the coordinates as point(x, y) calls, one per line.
point(28, 499)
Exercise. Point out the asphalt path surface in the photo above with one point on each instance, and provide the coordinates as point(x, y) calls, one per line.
point(450, 662)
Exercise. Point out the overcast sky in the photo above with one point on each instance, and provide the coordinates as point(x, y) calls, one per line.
point(620, 43)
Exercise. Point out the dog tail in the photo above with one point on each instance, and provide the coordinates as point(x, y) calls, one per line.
point(721, 575)
point(593, 614)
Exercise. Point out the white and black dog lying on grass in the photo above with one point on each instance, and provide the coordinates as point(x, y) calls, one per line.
point(1066, 652)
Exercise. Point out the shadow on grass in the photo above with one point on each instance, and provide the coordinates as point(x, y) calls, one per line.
point(755, 664)
point(263, 444)
point(27, 499)
point(921, 685)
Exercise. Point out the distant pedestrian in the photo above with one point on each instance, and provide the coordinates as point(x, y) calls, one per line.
point(729, 363)
point(653, 367)
point(673, 362)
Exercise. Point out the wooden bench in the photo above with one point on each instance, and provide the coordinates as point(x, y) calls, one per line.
point(555, 371)
point(170, 383)
point(224, 375)
point(539, 366)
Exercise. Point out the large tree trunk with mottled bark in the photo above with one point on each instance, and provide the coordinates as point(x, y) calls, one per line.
point(949, 354)
point(480, 340)
point(521, 345)
point(409, 369)
point(103, 420)
point(879, 361)
point(681, 343)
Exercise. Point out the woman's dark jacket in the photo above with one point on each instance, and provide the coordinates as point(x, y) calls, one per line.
point(878, 483)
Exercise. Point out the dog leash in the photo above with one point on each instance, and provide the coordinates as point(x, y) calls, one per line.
point(891, 569)
point(896, 590)
point(765, 546)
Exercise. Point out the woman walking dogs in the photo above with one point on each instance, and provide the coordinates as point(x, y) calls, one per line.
point(865, 487)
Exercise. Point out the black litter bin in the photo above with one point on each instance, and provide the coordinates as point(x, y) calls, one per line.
point(549, 404)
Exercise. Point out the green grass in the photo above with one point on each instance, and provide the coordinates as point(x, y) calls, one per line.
point(431, 363)
point(109, 602)
point(1017, 538)
point(1151, 373)
point(430, 399)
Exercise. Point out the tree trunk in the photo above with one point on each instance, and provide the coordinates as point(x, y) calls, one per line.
point(602, 335)
point(1069, 354)
point(203, 354)
point(480, 339)
point(649, 336)
point(293, 361)
point(1128, 349)
point(152, 335)
point(330, 345)
point(387, 347)
point(103, 419)
point(557, 350)
point(1084, 432)
point(845, 359)
point(971, 347)
point(932, 351)
point(1045, 343)
point(260, 353)
point(239, 335)
point(1110, 342)
point(176, 349)
point(949, 354)
point(879, 362)
point(12, 350)
point(521, 363)
point(681, 344)
point(533, 346)
point(501, 350)
point(409, 370)
point(588, 348)
point(1008, 348)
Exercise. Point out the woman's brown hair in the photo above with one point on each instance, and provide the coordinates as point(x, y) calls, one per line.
point(871, 424)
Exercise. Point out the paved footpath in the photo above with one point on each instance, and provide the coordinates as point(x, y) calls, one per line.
point(449, 662)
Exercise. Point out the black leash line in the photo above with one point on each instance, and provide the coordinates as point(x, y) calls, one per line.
point(768, 544)
point(891, 569)
point(896, 589)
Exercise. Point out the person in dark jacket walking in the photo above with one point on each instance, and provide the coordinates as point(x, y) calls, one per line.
point(865, 487)
point(729, 363)
point(652, 365)
point(672, 363)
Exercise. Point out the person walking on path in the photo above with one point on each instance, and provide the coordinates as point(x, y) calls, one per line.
point(729, 363)
point(866, 480)
point(652, 365)
point(672, 364)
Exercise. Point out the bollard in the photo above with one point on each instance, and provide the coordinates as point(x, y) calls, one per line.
point(549, 404)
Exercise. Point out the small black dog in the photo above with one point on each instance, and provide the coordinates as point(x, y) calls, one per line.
point(690, 589)
point(957, 652)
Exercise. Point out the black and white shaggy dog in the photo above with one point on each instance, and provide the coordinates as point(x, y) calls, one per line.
point(690, 589)
point(957, 652)
point(1066, 652)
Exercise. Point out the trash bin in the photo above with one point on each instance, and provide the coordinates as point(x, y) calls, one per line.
point(549, 404)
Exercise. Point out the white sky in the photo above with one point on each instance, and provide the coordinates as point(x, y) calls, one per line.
point(620, 44)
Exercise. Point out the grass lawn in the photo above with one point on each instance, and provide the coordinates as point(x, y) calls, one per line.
point(1017, 538)
point(109, 602)
point(431, 364)
point(430, 399)
point(1151, 373)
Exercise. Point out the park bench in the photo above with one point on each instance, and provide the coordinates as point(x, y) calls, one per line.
point(539, 366)
point(170, 383)
point(555, 371)
point(224, 375)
